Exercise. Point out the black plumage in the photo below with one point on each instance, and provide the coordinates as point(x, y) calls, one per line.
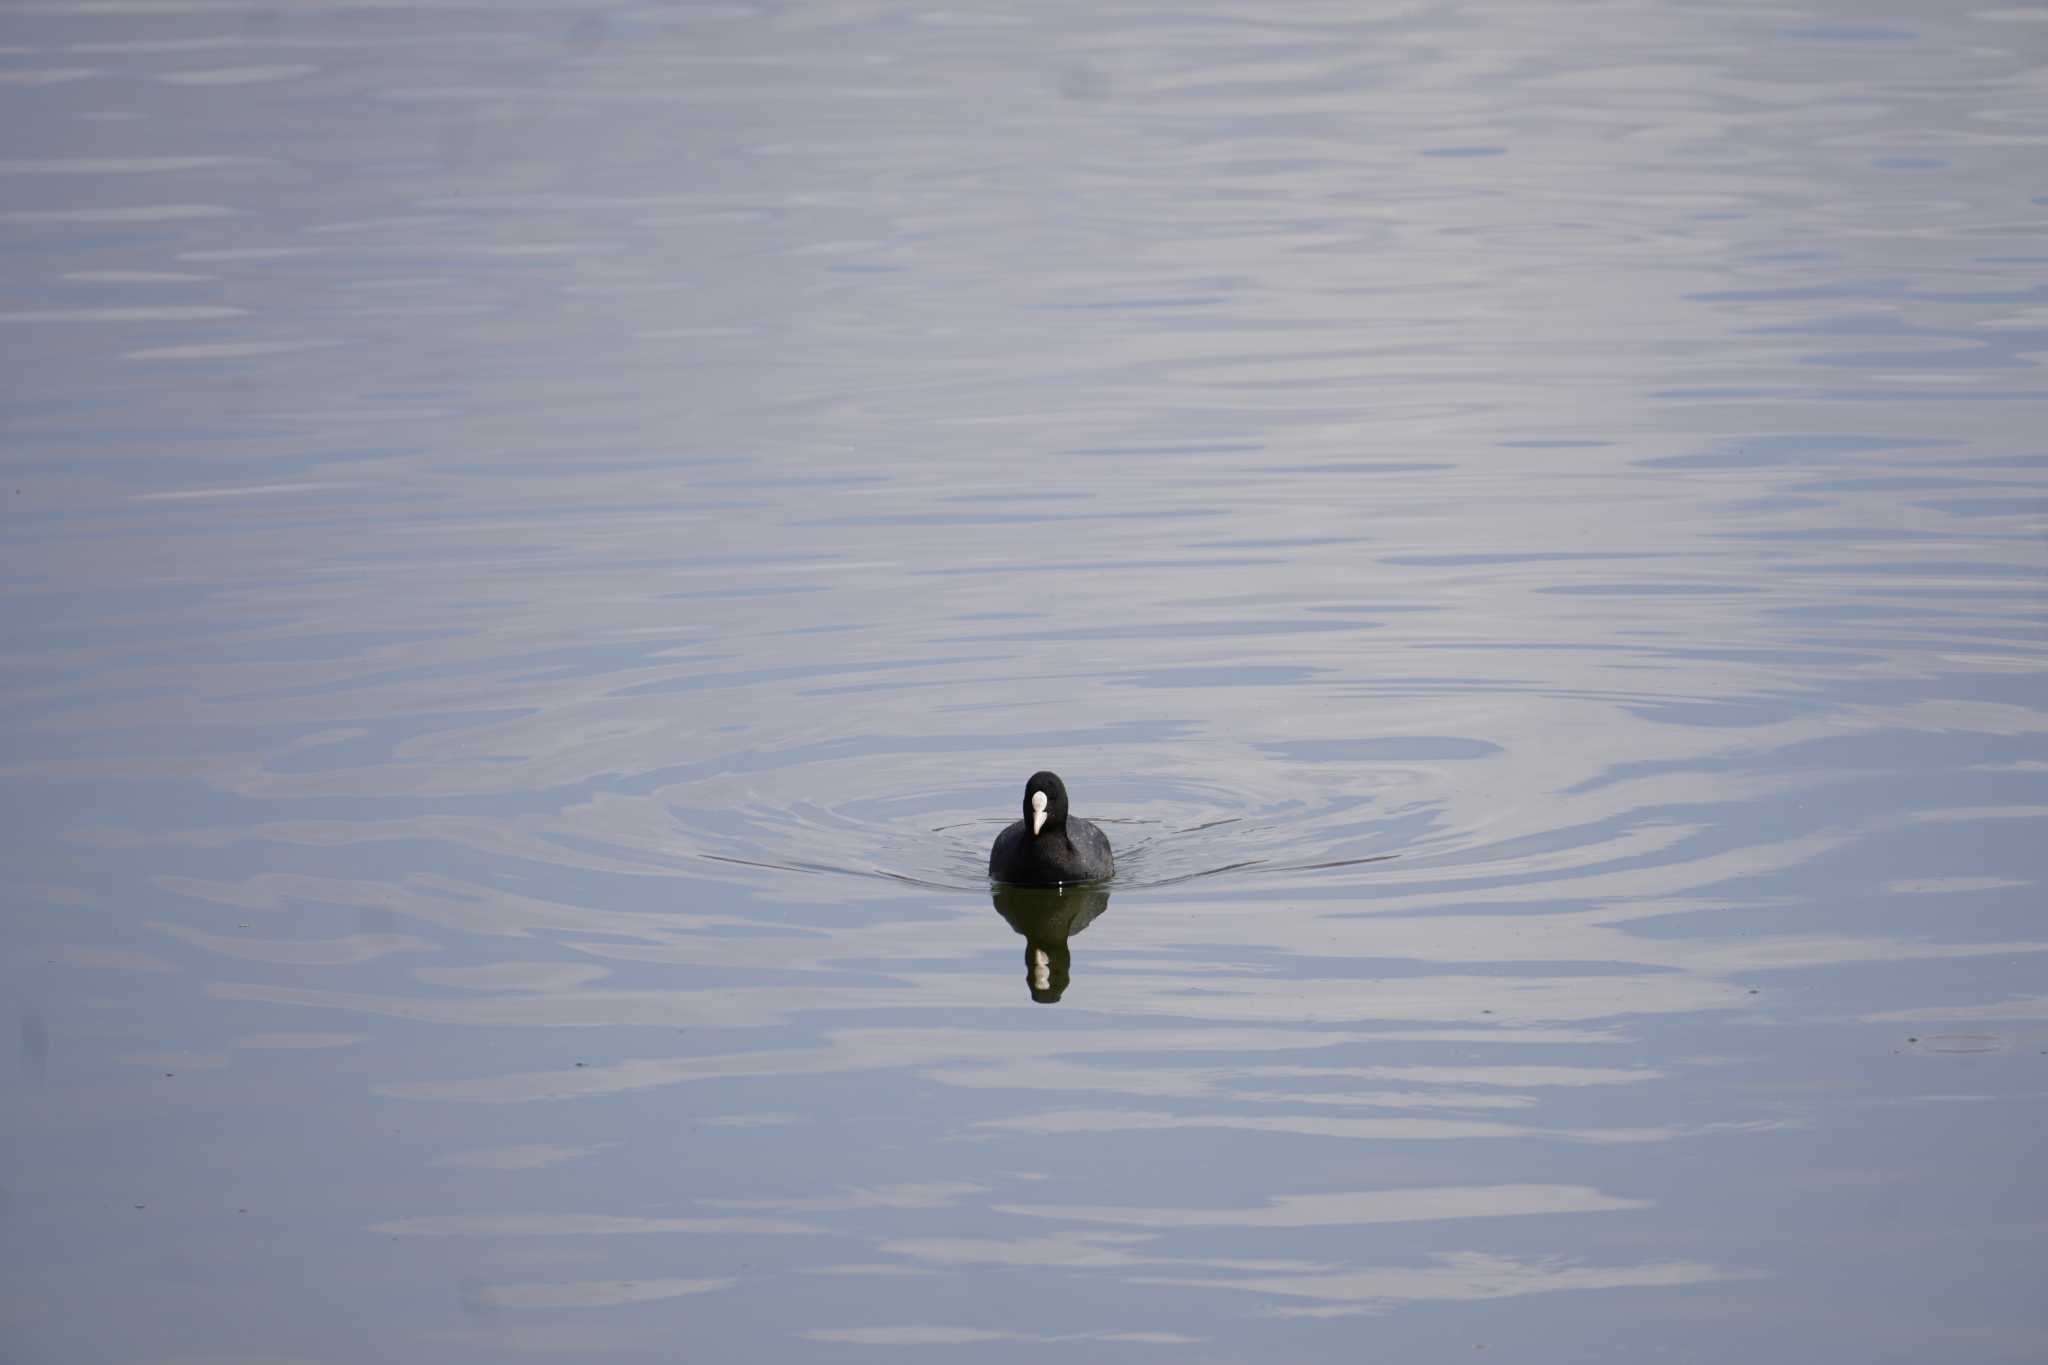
point(1051, 851)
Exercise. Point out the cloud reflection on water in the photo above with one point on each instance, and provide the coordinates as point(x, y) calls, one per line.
point(1455, 1276)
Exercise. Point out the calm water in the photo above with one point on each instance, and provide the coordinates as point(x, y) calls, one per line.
point(543, 542)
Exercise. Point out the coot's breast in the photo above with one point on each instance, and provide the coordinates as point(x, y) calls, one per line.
point(1079, 853)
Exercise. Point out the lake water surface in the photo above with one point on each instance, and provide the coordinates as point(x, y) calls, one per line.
point(543, 541)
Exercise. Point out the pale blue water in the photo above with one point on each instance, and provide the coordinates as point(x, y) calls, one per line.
point(543, 543)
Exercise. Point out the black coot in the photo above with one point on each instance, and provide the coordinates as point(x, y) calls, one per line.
point(1047, 847)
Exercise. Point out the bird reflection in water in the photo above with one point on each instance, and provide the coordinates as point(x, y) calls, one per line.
point(1048, 916)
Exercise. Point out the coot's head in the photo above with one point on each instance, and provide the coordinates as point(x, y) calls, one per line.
point(1045, 803)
